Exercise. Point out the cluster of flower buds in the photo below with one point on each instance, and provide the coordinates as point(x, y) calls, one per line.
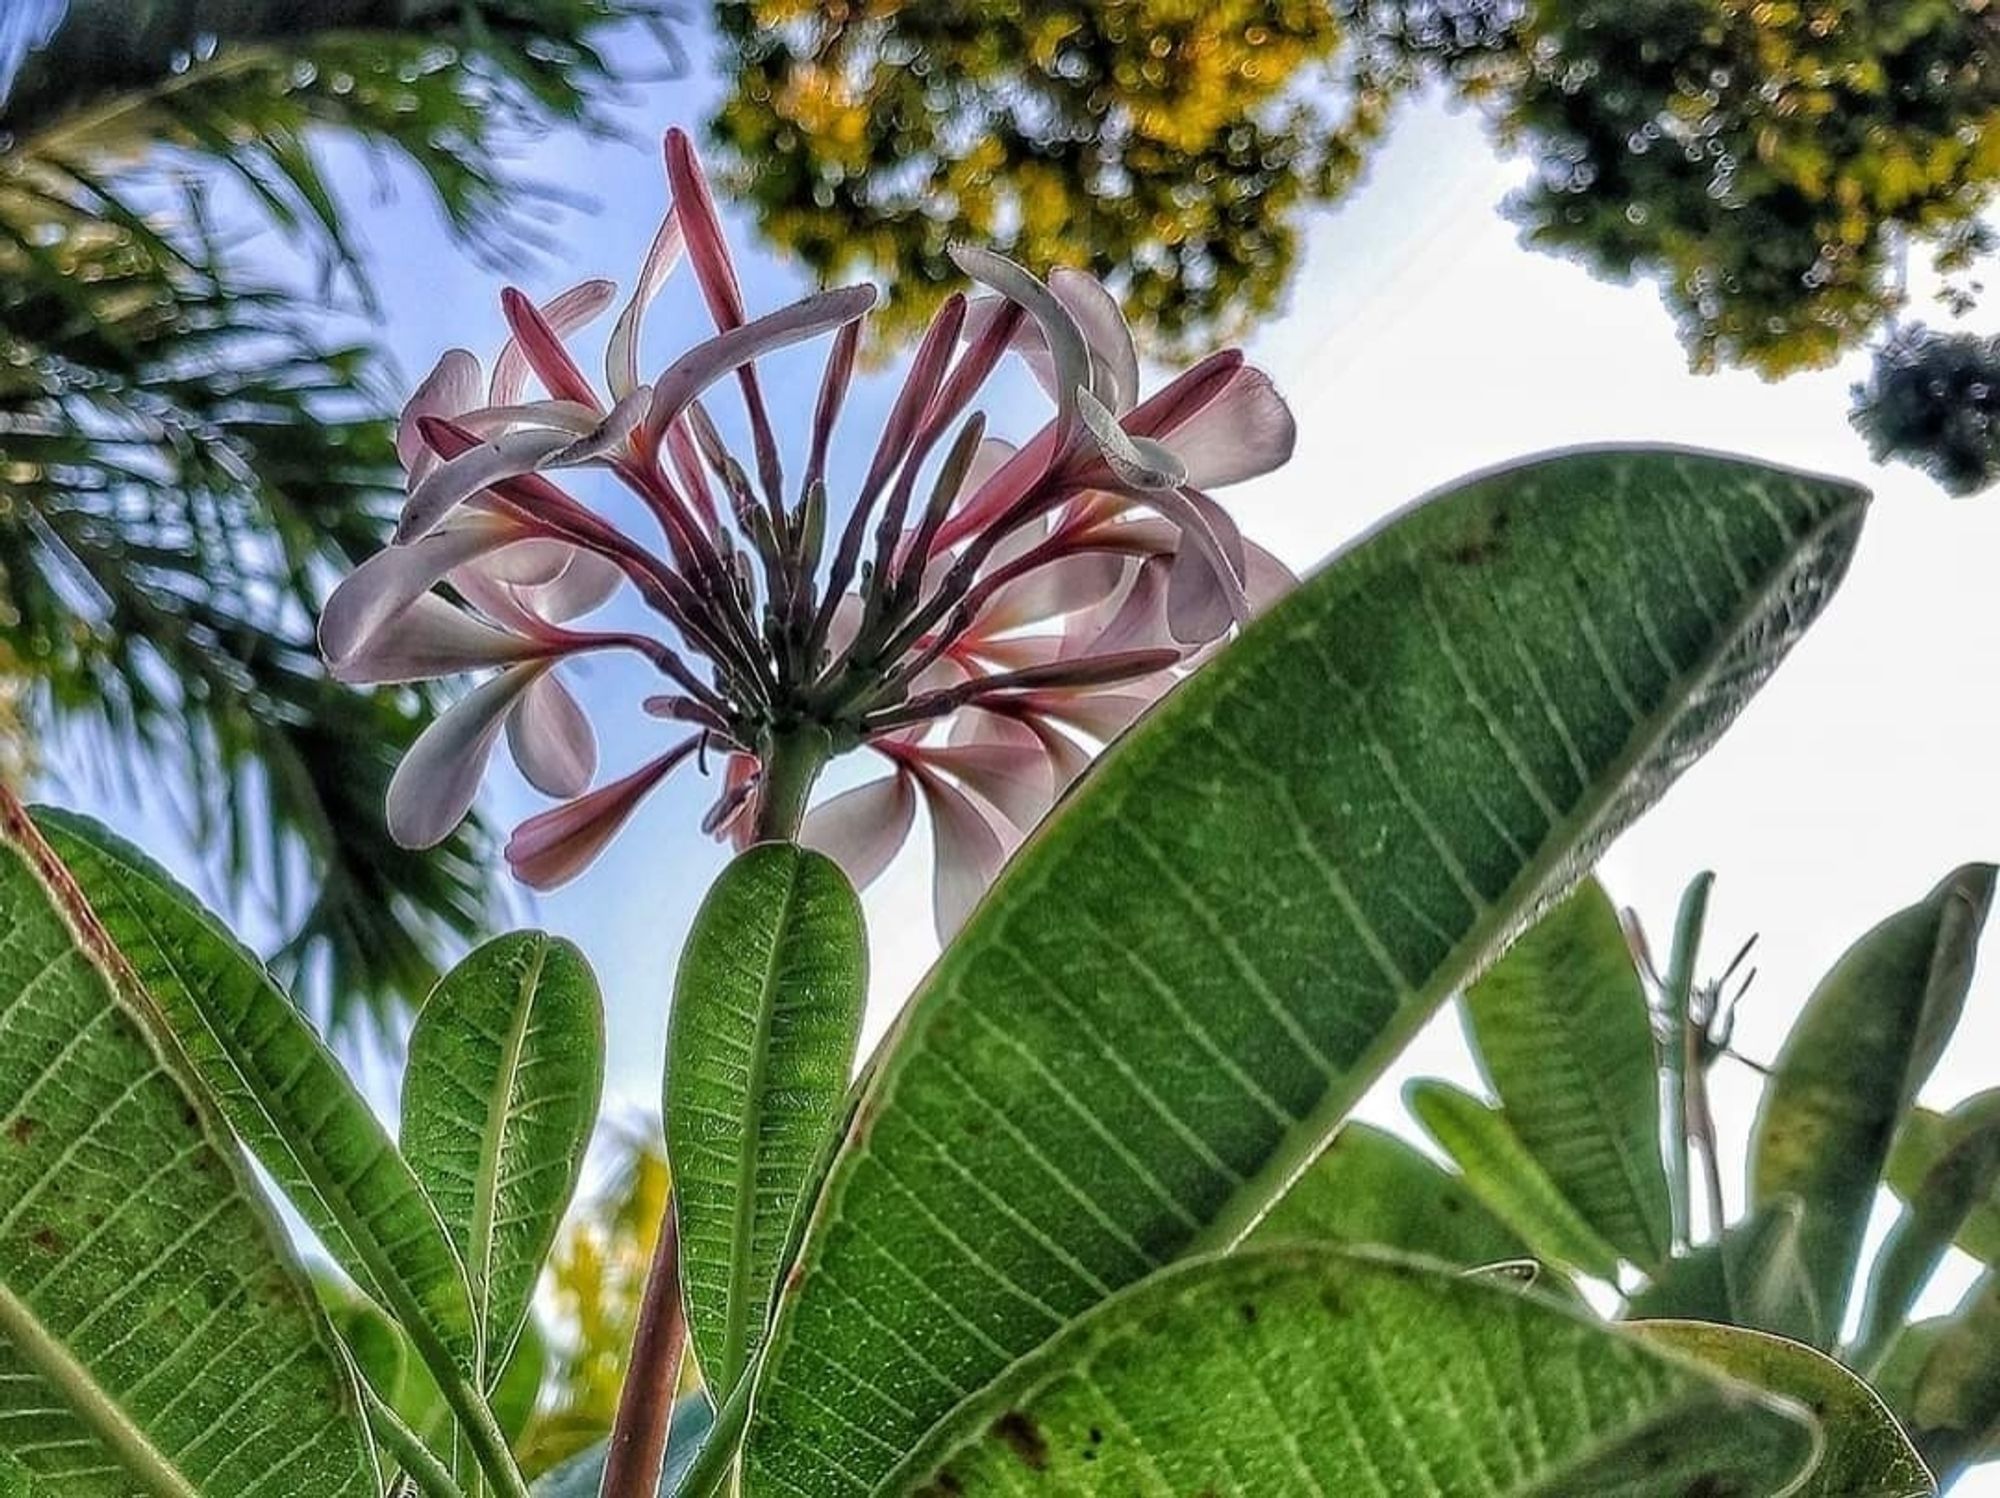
point(979, 616)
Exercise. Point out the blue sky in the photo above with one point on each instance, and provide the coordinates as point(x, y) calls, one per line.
point(1420, 342)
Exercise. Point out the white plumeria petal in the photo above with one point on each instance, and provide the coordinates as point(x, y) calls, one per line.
point(608, 435)
point(967, 855)
point(1139, 462)
point(583, 587)
point(1104, 714)
point(1203, 600)
point(557, 845)
point(573, 417)
point(450, 389)
point(621, 353)
point(434, 786)
point(707, 362)
point(1139, 620)
point(992, 455)
point(1247, 430)
point(1064, 586)
point(525, 564)
point(862, 829)
point(429, 639)
point(1014, 779)
point(1069, 354)
point(564, 313)
point(1114, 360)
point(510, 455)
point(395, 577)
point(1265, 578)
point(551, 738)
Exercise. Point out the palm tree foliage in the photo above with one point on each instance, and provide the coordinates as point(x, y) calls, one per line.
point(188, 458)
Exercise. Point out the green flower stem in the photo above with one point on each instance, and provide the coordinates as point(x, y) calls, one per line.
point(418, 1462)
point(791, 765)
point(1681, 1065)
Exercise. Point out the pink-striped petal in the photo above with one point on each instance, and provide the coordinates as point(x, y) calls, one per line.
point(452, 483)
point(434, 786)
point(862, 829)
point(1060, 587)
point(703, 365)
point(556, 318)
point(430, 639)
point(1139, 620)
point(1114, 360)
point(967, 855)
point(557, 845)
point(1014, 779)
point(395, 577)
point(1103, 714)
point(1204, 598)
point(551, 738)
point(707, 249)
point(450, 389)
point(1245, 431)
point(621, 353)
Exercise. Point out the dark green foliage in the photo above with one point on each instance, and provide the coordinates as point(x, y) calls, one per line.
point(1933, 401)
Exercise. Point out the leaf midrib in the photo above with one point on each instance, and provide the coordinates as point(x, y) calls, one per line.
point(743, 1226)
point(486, 1185)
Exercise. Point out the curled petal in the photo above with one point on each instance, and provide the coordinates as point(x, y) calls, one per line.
point(582, 587)
point(560, 315)
point(1139, 462)
point(862, 829)
point(510, 455)
point(1244, 431)
point(558, 415)
point(967, 854)
point(434, 786)
point(1069, 354)
point(551, 739)
point(525, 564)
point(1114, 360)
point(1014, 779)
point(607, 436)
point(430, 639)
point(1203, 599)
point(450, 389)
point(395, 577)
point(557, 845)
point(733, 815)
point(703, 365)
point(621, 353)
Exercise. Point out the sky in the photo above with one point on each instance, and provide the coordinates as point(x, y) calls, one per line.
point(1420, 342)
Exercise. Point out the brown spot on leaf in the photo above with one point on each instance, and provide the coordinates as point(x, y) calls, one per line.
point(46, 1239)
point(1024, 1438)
point(1481, 548)
point(23, 1129)
point(1248, 1311)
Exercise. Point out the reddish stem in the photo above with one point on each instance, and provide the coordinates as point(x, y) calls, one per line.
point(645, 1416)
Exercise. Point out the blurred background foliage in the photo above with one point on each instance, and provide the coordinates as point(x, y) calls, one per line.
point(191, 453)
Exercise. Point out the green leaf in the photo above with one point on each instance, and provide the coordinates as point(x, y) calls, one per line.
point(1308, 1372)
point(1866, 1451)
point(1869, 1036)
point(1752, 1277)
point(154, 1333)
point(1498, 1169)
point(1561, 1027)
point(1958, 1182)
point(500, 1094)
point(1370, 1187)
point(280, 1088)
point(1925, 1138)
point(766, 1016)
point(1171, 998)
point(1954, 1401)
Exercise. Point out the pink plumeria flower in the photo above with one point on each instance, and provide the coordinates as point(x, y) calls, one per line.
point(983, 618)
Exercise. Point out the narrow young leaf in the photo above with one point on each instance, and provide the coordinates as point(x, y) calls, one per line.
point(1298, 1373)
point(155, 1334)
point(1752, 1276)
point(1954, 1400)
point(1499, 1171)
point(1924, 1138)
point(281, 1089)
point(1369, 1187)
point(767, 1011)
point(1165, 1006)
point(505, 1069)
point(1865, 1449)
point(1869, 1036)
point(1561, 1027)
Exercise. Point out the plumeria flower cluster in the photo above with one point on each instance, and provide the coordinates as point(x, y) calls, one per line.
point(979, 615)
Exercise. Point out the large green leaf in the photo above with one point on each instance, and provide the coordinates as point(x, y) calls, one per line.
point(1866, 1452)
point(1177, 990)
point(154, 1332)
point(1925, 1138)
point(282, 1091)
point(1370, 1187)
point(767, 1012)
point(1752, 1276)
point(1283, 1372)
point(1498, 1169)
point(1561, 1028)
point(1954, 1401)
point(1869, 1036)
point(500, 1094)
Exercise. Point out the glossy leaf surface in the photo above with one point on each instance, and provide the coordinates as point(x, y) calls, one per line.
point(1184, 980)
